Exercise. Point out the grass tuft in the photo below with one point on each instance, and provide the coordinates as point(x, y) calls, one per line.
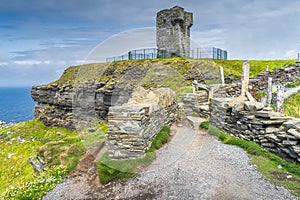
point(204, 125)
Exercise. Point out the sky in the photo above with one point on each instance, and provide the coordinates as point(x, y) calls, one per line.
point(41, 38)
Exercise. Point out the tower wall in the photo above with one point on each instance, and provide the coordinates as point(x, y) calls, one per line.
point(173, 32)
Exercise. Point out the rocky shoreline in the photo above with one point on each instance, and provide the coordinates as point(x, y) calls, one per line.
point(6, 124)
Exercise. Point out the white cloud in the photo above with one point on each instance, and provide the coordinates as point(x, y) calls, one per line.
point(31, 62)
point(27, 62)
point(3, 63)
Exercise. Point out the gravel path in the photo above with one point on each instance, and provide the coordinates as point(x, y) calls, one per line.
point(193, 166)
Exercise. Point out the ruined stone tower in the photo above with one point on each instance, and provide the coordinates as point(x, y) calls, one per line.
point(173, 32)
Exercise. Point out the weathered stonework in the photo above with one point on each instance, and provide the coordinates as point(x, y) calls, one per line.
point(133, 126)
point(280, 76)
point(276, 133)
point(173, 32)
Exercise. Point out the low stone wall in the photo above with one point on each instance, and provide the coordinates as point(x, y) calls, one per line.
point(280, 77)
point(246, 120)
point(133, 126)
point(191, 103)
point(228, 90)
point(199, 103)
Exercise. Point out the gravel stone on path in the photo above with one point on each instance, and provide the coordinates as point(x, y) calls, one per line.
point(193, 165)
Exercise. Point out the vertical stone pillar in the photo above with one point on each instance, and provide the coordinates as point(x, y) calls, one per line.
point(267, 68)
point(298, 58)
point(222, 75)
point(210, 93)
point(245, 77)
point(269, 92)
point(280, 99)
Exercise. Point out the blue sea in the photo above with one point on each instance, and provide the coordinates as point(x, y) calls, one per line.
point(16, 104)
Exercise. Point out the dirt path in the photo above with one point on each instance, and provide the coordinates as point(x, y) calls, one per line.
point(192, 166)
point(83, 179)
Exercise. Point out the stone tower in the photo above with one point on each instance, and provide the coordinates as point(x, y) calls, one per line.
point(173, 32)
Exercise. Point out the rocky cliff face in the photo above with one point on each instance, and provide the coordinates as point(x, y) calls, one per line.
point(84, 93)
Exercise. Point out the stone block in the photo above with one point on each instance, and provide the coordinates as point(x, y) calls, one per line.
point(294, 132)
point(253, 106)
point(296, 149)
point(238, 107)
point(289, 142)
point(295, 123)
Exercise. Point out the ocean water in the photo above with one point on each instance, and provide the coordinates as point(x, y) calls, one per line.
point(16, 104)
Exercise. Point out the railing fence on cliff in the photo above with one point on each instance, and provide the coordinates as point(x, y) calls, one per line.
point(151, 53)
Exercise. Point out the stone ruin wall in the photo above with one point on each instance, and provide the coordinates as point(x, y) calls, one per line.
point(280, 76)
point(173, 32)
point(280, 135)
point(134, 125)
point(198, 103)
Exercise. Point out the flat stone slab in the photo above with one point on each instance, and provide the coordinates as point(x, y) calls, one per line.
point(294, 132)
point(295, 123)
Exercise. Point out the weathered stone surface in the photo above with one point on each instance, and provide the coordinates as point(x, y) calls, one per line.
point(173, 32)
point(295, 123)
point(296, 149)
point(294, 132)
point(133, 126)
point(273, 137)
point(238, 107)
point(279, 76)
point(253, 106)
point(262, 114)
point(266, 128)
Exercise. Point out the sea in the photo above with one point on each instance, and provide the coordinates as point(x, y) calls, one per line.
point(16, 104)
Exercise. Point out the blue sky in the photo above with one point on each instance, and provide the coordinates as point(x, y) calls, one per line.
point(40, 38)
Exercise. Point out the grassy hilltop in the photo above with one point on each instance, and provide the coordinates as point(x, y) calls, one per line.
point(98, 71)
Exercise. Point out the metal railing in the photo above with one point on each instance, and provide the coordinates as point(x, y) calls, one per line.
point(151, 53)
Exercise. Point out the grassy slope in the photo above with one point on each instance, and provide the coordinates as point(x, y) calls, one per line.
point(16, 174)
point(257, 66)
point(291, 106)
point(97, 71)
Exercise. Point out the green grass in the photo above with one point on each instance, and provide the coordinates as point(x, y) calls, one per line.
point(60, 151)
point(256, 66)
point(291, 106)
point(267, 163)
point(294, 84)
point(109, 170)
point(204, 125)
point(168, 72)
